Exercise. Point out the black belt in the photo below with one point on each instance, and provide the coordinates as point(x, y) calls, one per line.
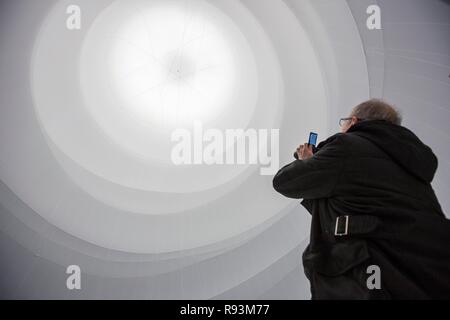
point(355, 225)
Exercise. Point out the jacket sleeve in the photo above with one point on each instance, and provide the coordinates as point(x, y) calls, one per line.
point(315, 177)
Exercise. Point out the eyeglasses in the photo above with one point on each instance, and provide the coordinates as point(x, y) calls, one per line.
point(343, 120)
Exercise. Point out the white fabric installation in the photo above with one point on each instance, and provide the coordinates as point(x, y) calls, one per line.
point(87, 116)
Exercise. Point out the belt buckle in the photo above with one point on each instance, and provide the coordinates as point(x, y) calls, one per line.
point(340, 234)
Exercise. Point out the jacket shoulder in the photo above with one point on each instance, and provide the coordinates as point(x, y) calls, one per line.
point(360, 146)
point(335, 139)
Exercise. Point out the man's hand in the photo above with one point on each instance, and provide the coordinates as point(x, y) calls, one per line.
point(304, 151)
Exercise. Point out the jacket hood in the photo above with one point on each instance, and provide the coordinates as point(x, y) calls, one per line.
point(401, 144)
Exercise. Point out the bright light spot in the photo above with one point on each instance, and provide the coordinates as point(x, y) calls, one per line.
point(148, 67)
point(171, 65)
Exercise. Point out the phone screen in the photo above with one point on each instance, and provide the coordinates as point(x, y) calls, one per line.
point(313, 138)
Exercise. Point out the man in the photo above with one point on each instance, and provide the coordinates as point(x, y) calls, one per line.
point(377, 230)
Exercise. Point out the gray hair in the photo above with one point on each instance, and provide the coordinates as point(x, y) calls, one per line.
point(376, 109)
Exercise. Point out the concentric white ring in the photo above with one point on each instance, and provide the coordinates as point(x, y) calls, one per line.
point(113, 191)
point(150, 67)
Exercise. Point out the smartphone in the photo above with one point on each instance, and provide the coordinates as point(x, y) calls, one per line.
point(313, 139)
